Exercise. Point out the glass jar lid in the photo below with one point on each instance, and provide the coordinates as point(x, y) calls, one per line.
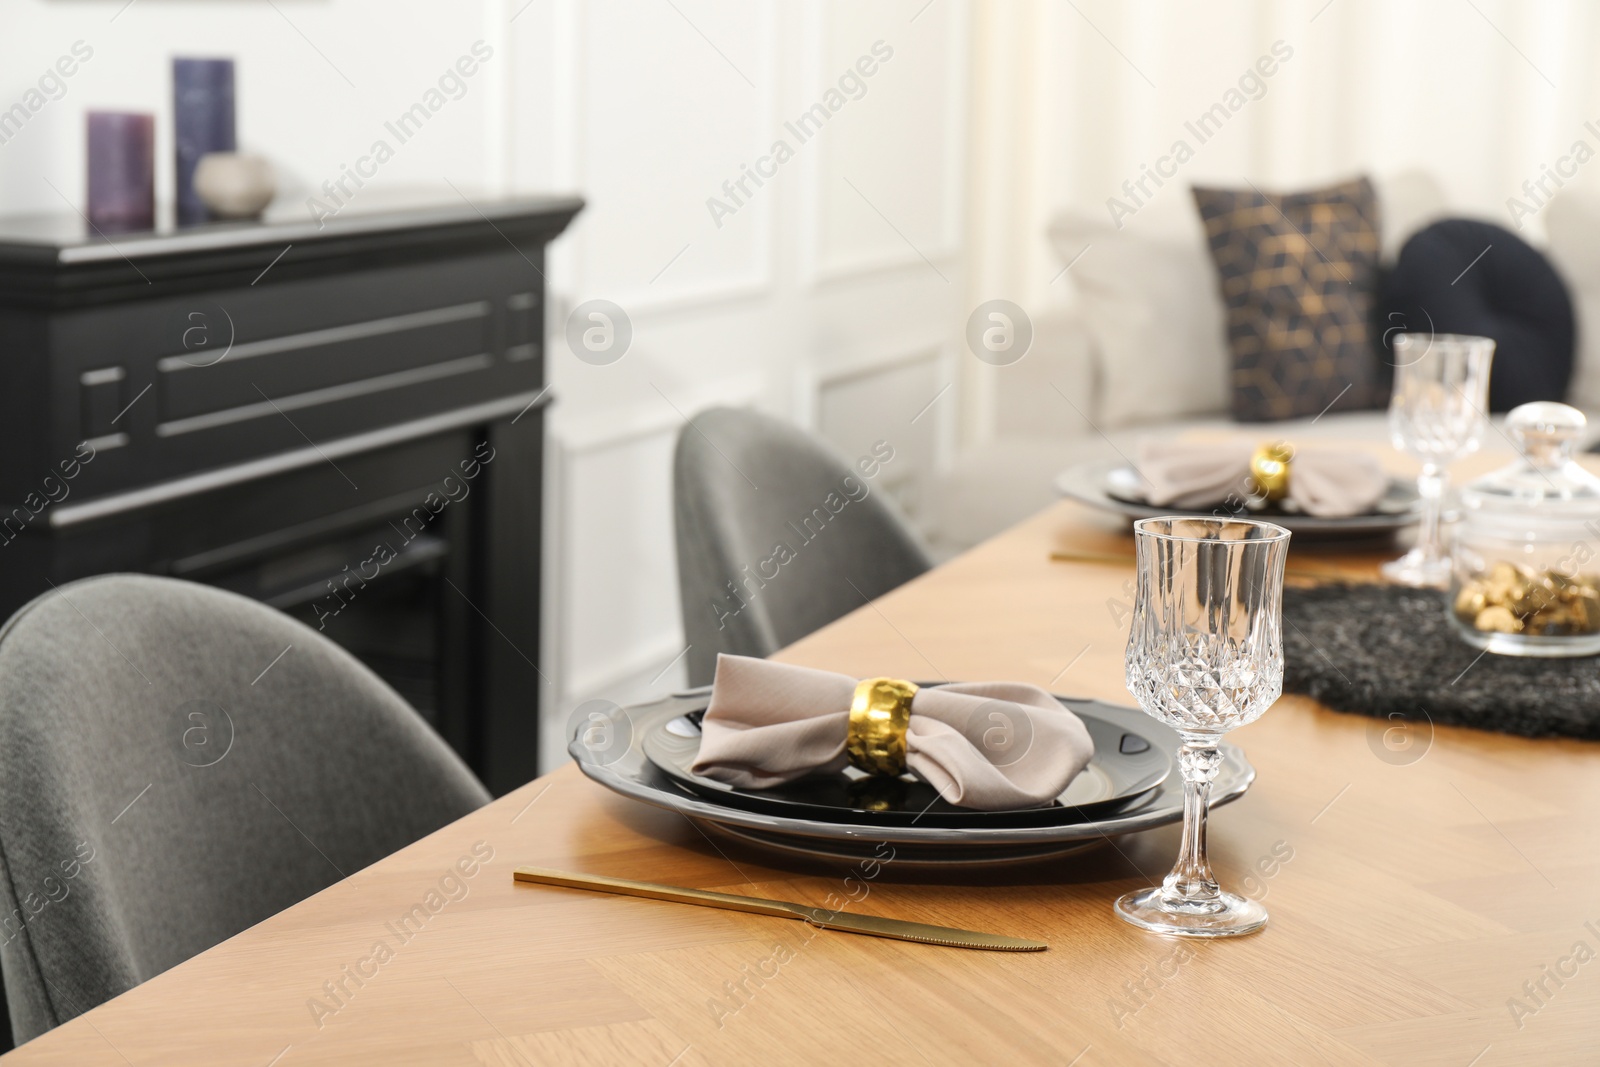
point(1546, 476)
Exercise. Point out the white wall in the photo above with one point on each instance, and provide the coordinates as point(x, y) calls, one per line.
point(832, 295)
point(315, 83)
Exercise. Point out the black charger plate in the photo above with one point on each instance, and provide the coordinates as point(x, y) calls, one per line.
point(1133, 756)
point(625, 770)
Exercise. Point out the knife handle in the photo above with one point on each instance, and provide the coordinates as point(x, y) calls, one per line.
point(678, 894)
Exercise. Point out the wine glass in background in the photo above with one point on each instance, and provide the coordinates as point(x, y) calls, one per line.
point(1437, 412)
point(1205, 655)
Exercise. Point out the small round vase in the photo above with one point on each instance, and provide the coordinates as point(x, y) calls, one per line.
point(234, 185)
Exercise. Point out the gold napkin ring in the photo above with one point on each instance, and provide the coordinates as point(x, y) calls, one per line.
point(1269, 469)
point(879, 715)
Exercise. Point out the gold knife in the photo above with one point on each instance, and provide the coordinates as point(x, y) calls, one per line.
point(873, 925)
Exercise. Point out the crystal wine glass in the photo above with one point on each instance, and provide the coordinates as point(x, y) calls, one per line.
point(1205, 656)
point(1437, 412)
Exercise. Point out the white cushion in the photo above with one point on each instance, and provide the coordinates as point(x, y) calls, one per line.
point(1572, 221)
point(1157, 319)
point(1407, 202)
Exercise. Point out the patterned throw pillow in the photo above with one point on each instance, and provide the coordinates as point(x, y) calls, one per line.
point(1298, 276)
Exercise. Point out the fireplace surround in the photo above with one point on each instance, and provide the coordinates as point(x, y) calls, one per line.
point(343, 420)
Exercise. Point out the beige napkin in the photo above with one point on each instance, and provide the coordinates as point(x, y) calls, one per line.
point(987, 745)
point(1323, 482)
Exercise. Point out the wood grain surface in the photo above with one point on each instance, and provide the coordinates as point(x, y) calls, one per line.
point(1433, 902)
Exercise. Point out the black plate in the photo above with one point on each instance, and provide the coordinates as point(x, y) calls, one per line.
point(1133, 755)
point(629, 773)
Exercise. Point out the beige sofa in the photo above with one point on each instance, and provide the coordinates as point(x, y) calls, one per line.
point(1137, 347)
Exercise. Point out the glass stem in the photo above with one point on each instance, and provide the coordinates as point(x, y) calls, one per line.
point(1191, 885)
point(1430, 486)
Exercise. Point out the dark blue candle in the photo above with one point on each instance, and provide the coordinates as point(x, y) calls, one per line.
point(122, 170)
point(202, 112)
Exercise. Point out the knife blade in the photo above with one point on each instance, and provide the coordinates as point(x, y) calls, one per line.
point(849, 922)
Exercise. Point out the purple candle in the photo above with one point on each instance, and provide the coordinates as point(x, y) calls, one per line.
point(202, 122)
point(122, 170)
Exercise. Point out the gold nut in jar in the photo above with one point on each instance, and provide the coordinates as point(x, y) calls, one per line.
point(1470, 600)
point(1536, 598)
point(1497, 619)
point(1582, 609)
point(1585, 586)
point(1513, 598)
point(1553, 623)
point(1504, 583)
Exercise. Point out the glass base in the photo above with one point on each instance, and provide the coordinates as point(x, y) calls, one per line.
point(1534, 645)
point(1227, 916)
point(1416, 568)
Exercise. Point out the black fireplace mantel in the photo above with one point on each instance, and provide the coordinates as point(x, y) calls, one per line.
point(271, 406)
point(58, 259)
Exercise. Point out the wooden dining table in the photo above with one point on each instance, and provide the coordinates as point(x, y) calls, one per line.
point(1434, 899)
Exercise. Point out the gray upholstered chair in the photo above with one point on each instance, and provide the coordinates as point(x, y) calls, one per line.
point(178, 763)
point(777, 537)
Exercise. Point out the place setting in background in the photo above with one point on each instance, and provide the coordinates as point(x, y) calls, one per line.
point(1339, 493)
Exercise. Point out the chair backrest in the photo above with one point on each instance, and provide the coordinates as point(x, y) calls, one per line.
point(178, 763)
point(777, 537)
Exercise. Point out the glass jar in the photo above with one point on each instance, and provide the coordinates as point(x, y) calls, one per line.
point(1526, 571)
